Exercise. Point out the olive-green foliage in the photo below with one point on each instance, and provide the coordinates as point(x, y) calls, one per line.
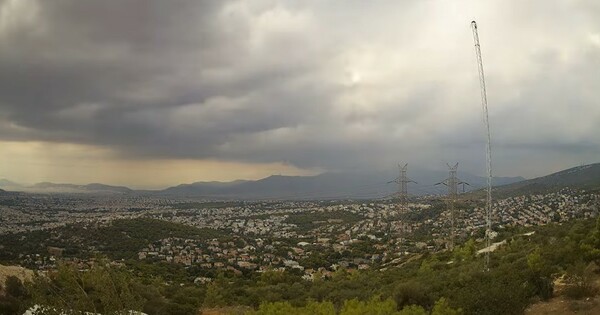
point(591, 245)
point(466, 251)
point(171, 299)
point(442, 307)
point(535, 262)
point(16, 243)
point(109, 290)
point(412, 293)
point(285, 308)
point(276, 308)
point(323, 308)
point(101, 289)
point(372, 306)
point(521, 271)
point(122, 239)
point(214, 296)
point(167, 271)
point(413, 310)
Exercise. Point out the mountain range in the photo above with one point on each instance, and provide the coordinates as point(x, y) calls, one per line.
point(335, 185)
point(325, 186)
point(46, 187)
point(322, 186)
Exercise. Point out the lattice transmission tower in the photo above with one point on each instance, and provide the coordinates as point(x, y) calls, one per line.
point(452, 183)
point(402, 180)
point(488, 151)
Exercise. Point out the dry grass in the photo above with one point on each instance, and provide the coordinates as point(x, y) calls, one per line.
point(17, 271)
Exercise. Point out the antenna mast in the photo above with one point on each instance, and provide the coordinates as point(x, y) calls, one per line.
point(486, 122)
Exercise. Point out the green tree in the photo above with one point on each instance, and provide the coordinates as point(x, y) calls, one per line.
point(465, 252)
point(413, 310)
point(276, 308)
point(411, 293)
point(535, 262)
point(285, 308)
point(375, 306)
point(442, 307)
point(591, 245)
point(428, 265)
point(322, 308)
point(214, 296)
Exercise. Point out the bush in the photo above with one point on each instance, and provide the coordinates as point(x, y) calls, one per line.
point(543, 286)
point(101, 289)
point(579, 282)
point(15, 288)
point(16, 298)
point(412, 293)
point(580, 289)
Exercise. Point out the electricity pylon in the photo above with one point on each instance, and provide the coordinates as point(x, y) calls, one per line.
point(452, 183)
point(402, 180)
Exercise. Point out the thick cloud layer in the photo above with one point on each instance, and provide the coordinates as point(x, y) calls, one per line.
point(332, 85)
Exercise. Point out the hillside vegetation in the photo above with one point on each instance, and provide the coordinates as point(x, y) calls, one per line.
point(581, 177)
point(523, 271)
point(121, 239)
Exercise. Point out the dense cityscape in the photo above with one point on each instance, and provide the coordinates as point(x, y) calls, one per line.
point(296, 235)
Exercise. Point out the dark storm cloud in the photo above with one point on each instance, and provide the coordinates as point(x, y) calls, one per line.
point(316, 84)
point(130, 64)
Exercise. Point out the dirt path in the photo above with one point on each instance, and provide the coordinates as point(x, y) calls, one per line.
point(562, 305)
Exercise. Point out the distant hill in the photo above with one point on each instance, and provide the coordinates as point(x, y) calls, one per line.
point(201, 188)
point(324, 186)
point(6, 182)
point(95, 187)
point(10, 185)
point(46, 187)
point(53, 186)
point(583, 177)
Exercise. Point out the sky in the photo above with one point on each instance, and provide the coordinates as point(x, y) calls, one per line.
point(155, 93)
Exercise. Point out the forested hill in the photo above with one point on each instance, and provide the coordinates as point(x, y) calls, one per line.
point(121, 239)
point(580, 177)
